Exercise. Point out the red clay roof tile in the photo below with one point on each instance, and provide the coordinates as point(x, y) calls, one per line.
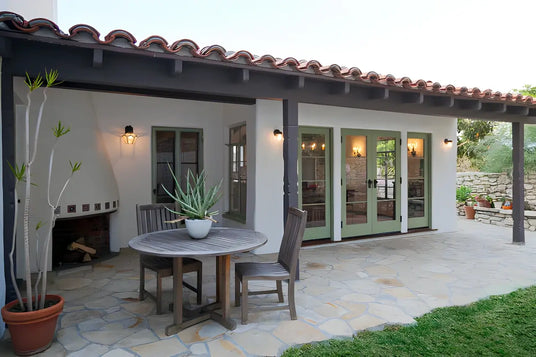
point(185, 47)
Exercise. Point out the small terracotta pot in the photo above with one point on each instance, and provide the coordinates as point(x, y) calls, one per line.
point(469, 212)
point(32, 332)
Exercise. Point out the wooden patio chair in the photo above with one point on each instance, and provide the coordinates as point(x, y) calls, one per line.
point(283, 269)
point(151, 218)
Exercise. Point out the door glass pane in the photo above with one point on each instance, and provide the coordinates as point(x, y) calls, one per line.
point(165, 155)
point(416, 193)
point(188, 154)
point(356, 179)
point(313, 178)
point(386, 178)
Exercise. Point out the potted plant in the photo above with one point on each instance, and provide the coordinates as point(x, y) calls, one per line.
point(32, 320)
point(463, 195)
point(484, 201)
point(195, 203)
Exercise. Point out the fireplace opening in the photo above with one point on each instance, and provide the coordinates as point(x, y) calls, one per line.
point(81, 240)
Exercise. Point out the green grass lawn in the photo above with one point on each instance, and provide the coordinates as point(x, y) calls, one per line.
point(503, 325)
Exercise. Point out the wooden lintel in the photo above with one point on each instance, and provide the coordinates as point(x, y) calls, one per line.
point(475, 105)
point(5, 47)
point(378, 93)
point(413, 98)
point(176, 67)
point(97, 58)
point(494, 107)
point(245, 75)
point(514, 109)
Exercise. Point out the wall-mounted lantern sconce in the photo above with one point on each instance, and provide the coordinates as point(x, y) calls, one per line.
point(356, 152)
point(129, 137)
point(447, 141)
point(278, 134)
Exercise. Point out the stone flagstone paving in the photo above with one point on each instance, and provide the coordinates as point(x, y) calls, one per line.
point(344, 288)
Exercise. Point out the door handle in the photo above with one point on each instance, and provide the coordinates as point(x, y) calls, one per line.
point(375, 183)
point(369, 183)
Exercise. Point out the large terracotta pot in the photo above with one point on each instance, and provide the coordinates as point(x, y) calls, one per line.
point(32, 332)
point(469, 212)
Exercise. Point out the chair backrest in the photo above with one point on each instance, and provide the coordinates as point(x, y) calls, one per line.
point(292, 240)
point(153, 217)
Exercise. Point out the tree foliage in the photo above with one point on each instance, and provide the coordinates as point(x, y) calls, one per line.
point(470, 133)
point(527, 90)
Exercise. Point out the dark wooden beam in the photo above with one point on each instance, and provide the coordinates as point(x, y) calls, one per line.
point(518, 184)
point(378, 93)
point(176, 67)
point(514, 109)
point(290, 154)
point(494, 107)
point(97, 58)
point(532, 112)
point(469, 104)
point(8, 157)
point(338, 88)
point(296, 82)
point(5, 47)
point(412, 98)
point(214, 78)
point(439, 101)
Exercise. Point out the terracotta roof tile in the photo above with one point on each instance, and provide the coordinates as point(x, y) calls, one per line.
point(120, 38)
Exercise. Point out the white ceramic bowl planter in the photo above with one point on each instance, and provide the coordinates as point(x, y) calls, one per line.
point(198, 228)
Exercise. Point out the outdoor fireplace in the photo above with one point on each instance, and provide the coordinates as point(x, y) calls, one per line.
point(80, 240)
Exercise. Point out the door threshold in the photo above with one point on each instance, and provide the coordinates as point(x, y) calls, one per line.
point(365, 237)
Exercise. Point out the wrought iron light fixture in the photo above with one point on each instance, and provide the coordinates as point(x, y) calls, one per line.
point(129, 137)
point(447, 141)
point(278, 134)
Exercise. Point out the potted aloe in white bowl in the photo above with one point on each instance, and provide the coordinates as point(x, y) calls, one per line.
point(195, 203)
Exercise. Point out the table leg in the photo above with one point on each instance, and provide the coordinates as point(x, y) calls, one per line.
point(177, 297)
point(223, 265)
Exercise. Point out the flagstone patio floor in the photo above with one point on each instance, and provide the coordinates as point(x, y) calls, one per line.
point(344, 288)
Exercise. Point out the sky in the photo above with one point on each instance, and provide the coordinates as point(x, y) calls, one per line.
point(473, 43)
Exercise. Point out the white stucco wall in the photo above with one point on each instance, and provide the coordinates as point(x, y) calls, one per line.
point(269, 174)
point(131, 164)
point(443, 166)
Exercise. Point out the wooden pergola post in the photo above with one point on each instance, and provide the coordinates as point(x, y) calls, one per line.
point(518, 184)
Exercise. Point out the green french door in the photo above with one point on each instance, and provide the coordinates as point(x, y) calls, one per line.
point(370, 182)
point(314, 191)
point(418, 180)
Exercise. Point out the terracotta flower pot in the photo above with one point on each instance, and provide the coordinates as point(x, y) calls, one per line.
point(32, 332)
point(469, 212)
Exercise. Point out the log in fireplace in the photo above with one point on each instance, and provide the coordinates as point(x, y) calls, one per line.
point(80, 240)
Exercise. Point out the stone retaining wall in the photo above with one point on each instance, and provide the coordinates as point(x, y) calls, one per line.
point(501, 217)
point(497, 185)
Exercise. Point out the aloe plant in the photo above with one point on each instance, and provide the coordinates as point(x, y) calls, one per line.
point(196, 201)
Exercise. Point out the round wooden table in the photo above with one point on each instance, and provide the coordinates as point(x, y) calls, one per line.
point(221, 242)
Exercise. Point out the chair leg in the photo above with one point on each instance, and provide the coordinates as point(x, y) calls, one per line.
point(236, 290)
point(244, 301)
point(279, 284)
point(199, 285)
point(141, 295)
point(291, 303)
point(159, 294)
